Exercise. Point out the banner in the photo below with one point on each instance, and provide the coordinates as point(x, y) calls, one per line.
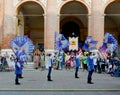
point(73, 43)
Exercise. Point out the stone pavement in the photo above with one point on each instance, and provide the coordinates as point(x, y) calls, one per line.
point(35, 82)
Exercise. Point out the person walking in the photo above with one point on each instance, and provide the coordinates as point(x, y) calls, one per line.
point(18, 71)
point(50, 64)
point(90, 67)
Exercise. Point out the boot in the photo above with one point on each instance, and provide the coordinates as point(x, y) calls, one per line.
point(20, 76)
point(76, 76)
point(89, 81)
point(16, 82)
point(49, 78)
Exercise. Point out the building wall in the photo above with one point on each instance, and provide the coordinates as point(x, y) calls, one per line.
point(1, 20)
point(8, 26)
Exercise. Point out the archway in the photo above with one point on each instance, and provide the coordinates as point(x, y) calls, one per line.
point(112, 19)
point(73, 18)
point(70, 26)
point(31, 22)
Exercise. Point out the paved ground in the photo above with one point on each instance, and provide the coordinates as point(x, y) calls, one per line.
point(64, 83)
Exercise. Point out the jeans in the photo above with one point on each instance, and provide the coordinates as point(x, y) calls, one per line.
point(90, 73)
point(49, 71)
point(76, 70)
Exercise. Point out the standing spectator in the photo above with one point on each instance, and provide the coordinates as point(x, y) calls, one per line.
point(36, 58)
point(12, 62)
point(67, 61)
point(7, 58)
point(95, 64)
point(63, 58)
point(103, 65)
point(99, 60)
point(60, 61)
point(50, 64)
point(42, 60)
point(55, 60)
point(72, 59)
point(3, 62)
point(84, 61)
point(90, 67)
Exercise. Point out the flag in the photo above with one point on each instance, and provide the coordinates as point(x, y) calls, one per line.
point(109, 44)
point(90, 44)
point(22, 46)
point(60, 41)
point(58, 37)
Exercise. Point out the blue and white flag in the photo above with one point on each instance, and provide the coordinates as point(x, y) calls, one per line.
point(22, 46)
point(109, 43)
point(60, 41)
point(90, 44)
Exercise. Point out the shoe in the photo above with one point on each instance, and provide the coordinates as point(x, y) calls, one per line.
point(77, 77)
point(90, 83)
point(21, 77)
point(50, 80)
point(17, 83)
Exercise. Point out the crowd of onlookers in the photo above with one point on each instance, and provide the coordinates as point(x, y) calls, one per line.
point(7, 62)
point(103, 64)
point(109, 63)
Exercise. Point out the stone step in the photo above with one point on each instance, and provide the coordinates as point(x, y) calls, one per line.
point(29, 66)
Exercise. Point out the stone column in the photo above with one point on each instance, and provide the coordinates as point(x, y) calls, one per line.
point(1, 20)
point(89, 25)
point(8, 33)
point(97, 21)
point(20, 24)
point(50, 23)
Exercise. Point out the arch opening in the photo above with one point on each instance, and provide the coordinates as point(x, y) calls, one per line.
point(112, 21)
point(31, 22)
point(74, 19)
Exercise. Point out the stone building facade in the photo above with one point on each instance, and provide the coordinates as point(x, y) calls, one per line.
point(40, 19)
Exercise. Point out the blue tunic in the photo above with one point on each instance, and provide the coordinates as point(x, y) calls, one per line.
point(90, 64)
point(77, 62)
point(18, 68)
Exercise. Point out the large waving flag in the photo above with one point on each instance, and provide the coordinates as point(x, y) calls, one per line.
point(60, 41)
point(22, 46)
point(90, 44)
point(109, 43)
